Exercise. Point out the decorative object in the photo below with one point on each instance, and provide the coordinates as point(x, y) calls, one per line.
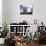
point(28, 33)
point(26, 9)
point(35, 21)
point(3, 34)
point(2, 40)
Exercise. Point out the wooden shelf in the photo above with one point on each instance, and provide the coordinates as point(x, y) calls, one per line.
point(18, 29)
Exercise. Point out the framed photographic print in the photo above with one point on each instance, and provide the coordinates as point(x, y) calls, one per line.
point(26, 9)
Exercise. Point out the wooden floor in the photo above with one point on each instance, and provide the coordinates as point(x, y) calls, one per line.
point(1, 45)
point(32, 45)
point(36, 44)
point(42, 45)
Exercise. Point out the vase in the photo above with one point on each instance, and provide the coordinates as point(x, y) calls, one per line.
point(2, 40)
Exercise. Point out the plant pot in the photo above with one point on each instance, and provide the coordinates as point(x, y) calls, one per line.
point(2, 40)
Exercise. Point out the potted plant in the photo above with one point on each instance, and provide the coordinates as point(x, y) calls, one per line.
point(3, 34)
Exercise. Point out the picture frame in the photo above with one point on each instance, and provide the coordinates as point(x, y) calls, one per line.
point(26, 9)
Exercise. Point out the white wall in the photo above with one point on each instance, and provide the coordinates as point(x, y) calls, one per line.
point(12, 11)
point(0, 13)
point(4, 11)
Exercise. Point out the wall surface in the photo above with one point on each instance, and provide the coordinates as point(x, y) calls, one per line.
point(12, 11)
point(4, 11)
point(0, 13)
